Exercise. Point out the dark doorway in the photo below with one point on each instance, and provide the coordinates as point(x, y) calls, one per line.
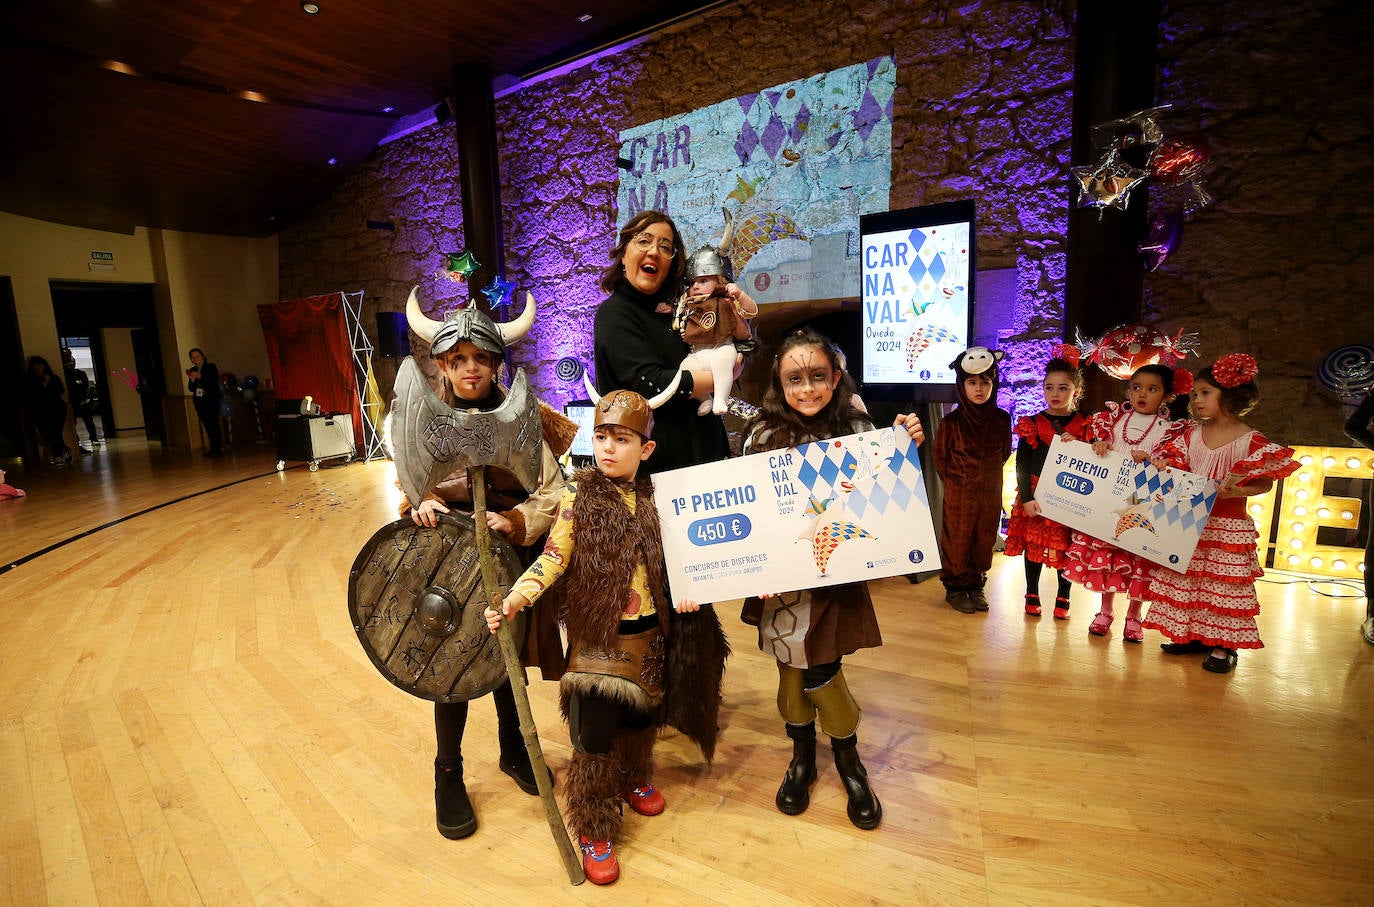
point(11, 377)
point(83, 350)
point(95, 310)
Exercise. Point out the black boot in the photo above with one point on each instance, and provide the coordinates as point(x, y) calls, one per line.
point(864, 809)
point(515, 757)
point(794, 796)
point(452, 808)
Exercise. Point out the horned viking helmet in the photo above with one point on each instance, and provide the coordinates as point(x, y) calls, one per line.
point(469, 323)
point(710, 260)
point(626, 409)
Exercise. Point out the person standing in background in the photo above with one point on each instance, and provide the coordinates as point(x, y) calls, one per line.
point(44, 396)
point(79, 392)
point(204, 387)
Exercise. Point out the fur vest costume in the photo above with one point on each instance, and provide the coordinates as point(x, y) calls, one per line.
point(609, 542)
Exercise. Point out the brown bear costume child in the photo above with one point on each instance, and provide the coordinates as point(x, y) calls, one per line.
point(971, 445)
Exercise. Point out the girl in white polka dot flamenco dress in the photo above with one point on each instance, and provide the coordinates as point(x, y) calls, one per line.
point(1212, 607)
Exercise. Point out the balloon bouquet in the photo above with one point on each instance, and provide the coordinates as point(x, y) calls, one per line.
point(1175, 163)
point(460, 266)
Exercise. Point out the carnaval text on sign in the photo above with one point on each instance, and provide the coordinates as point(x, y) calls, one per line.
point(1137, 508)
point(915, 303)
point(795, 164)
point(838, 511)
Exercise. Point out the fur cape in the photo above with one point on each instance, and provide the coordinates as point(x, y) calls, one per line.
point(609, 542)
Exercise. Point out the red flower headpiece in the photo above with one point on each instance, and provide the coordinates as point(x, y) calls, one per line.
point(1183, 382)
point(1235, 369)
point(1068, 352)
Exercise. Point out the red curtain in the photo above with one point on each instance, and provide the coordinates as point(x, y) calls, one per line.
point(310, 354)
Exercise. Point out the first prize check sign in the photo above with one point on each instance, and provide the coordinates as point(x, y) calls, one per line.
point(1137, 508)
point(837, 511)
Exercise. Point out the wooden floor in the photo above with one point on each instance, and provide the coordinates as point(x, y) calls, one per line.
point(186, 717)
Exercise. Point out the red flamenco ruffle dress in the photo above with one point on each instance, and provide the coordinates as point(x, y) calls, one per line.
point(1215, 601)
point(1041, 540)
point(1101, 566)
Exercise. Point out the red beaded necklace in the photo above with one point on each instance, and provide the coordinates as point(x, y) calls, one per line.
point(1126, 427)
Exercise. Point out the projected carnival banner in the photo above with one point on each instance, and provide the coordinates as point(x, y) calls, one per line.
point(795, 164)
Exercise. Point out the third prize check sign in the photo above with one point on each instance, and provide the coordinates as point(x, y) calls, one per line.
point(837, 511)
point(1137, 508)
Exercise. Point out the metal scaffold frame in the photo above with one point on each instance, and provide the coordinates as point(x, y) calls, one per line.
point(362, 366)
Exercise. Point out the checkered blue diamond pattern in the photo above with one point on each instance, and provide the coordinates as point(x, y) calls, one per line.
point(896, 482)
point(1188, 513)
point(1149, 481)
point(823, 466)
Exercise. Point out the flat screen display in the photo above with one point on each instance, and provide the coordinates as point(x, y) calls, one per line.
point(917, 268)
point(583, 413)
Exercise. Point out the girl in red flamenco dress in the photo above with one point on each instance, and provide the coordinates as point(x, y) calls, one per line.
point(1212, 607)
point(1133, 429)
point(1044, 541)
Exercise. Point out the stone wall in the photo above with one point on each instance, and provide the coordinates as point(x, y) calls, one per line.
point(1282, 264)
point(981, 110)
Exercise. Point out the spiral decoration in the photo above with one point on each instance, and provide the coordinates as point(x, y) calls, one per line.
point(1348, 371)
point(568, 369)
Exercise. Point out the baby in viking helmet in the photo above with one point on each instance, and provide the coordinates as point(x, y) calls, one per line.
point(711, 316)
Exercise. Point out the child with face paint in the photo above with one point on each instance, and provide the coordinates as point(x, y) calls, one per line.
point(1133, 428)
point(1212, 607)
point(1041, 540)
point(971, 446)
point(810, 398)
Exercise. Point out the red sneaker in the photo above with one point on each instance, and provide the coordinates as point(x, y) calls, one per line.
point(598, 861)
point(646, 800)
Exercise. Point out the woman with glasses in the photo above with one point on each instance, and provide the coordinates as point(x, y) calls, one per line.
point(636, 347)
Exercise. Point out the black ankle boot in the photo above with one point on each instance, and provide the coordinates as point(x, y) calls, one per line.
point(452, 808)
point(794, 796)
point(515, 757)
point(864, 809)
point(515, 761)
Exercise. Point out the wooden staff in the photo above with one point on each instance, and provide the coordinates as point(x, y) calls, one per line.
point(477, 481)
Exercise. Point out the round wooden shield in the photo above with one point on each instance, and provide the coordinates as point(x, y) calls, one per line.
point(416, 600)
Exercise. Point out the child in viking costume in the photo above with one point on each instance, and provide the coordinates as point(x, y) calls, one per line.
point(470, 351)
point(633, 664)
point(711, 317)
